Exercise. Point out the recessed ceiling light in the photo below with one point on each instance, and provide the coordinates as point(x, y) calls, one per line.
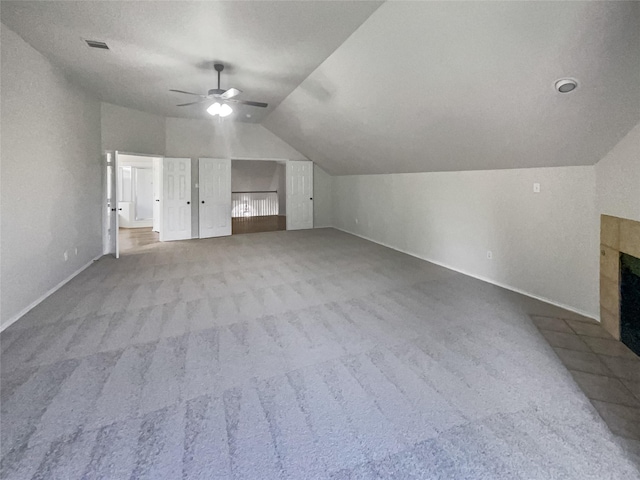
point(566, 85)
point(248, 115)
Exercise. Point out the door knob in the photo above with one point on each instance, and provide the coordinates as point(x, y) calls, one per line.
point(202, 201)
point(310, 198)
point(188, 203)
point(157, 200)
point(113, 209)
point(120, 209)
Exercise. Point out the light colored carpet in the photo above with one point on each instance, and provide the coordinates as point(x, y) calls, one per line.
point(299, 355)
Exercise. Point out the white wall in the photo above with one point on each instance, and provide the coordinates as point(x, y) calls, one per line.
point(322, 198)
point(224, 139)
point(282, 188)
point(543, 244)
point(51, 176)
point(129, 130)
point(254, 175)
point(618, 178)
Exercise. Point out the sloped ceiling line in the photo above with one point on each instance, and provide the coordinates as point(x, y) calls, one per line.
point(446, 86)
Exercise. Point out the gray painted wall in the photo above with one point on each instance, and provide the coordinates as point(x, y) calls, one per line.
point(252, 175)
point(282, 188)
point(544, 244)
point(132, 131)
point(322, 198)
point(51, 176)
point(618, 178)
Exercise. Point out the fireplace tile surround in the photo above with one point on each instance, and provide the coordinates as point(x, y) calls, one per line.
point(617, 235)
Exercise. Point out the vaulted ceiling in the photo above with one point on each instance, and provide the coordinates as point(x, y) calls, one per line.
point(267, 47)
point(438, 86)
point(360, 87)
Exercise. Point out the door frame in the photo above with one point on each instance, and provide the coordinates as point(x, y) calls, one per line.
point(114, 154)
point(284, 161)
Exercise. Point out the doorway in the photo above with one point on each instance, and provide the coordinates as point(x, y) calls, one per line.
point(137, 202)
point(258, 196)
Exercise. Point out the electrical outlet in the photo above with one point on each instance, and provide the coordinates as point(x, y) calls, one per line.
point(76, 251)
point(489, 254)
point(536, 188)
point(66, 255)
point(356, 221)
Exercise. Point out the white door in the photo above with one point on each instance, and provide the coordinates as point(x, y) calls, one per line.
point(215, 197)
point(157, 185)
point(110, 243)
point(176, 199)
point(299, 195)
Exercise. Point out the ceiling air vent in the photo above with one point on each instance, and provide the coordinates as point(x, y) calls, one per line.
point(96, 44)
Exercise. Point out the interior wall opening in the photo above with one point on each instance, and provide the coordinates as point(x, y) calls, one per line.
point(258, 196)
point(138, 215)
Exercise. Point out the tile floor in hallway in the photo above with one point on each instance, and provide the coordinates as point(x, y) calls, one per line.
point(294, 355)
point(604, 368)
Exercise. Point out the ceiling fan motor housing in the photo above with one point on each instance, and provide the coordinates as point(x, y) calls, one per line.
point(215, 91)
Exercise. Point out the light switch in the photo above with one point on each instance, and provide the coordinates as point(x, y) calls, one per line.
point(536, 188)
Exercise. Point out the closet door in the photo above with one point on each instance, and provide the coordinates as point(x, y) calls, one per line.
point(176, 199)
point(299, 195)
point(157, 191)
point(214, 197)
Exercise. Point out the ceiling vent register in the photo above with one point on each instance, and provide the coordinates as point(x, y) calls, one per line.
point(97, 44)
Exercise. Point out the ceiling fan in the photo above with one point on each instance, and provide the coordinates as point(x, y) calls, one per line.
point(224, 96)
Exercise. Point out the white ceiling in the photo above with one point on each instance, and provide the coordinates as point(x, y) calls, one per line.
point(268, 47)
point(363, 88)
point(439, 86)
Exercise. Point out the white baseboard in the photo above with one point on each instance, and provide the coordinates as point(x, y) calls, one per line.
point(479, 277)
point(29, 307)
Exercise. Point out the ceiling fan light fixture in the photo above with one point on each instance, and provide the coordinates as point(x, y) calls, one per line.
point(214, 109)
point(225, 110)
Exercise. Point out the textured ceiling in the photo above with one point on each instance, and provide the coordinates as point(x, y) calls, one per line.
point(363, 88)
point(268, 47)
point(439, 86)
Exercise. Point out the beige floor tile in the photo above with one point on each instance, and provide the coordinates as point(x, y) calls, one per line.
point(569, 341)
point(622, 367)
point(606, 389)
point(613, 348)
point(549, 323)
point(582, 361)
point(588, 329)
point(621, 420)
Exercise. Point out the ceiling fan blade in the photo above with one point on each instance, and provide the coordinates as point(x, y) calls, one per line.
point(192, 103)
point(247, 102)
point(232, 92)
point(189, 93)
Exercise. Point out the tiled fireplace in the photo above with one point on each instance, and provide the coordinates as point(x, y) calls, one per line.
point(619, 242)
